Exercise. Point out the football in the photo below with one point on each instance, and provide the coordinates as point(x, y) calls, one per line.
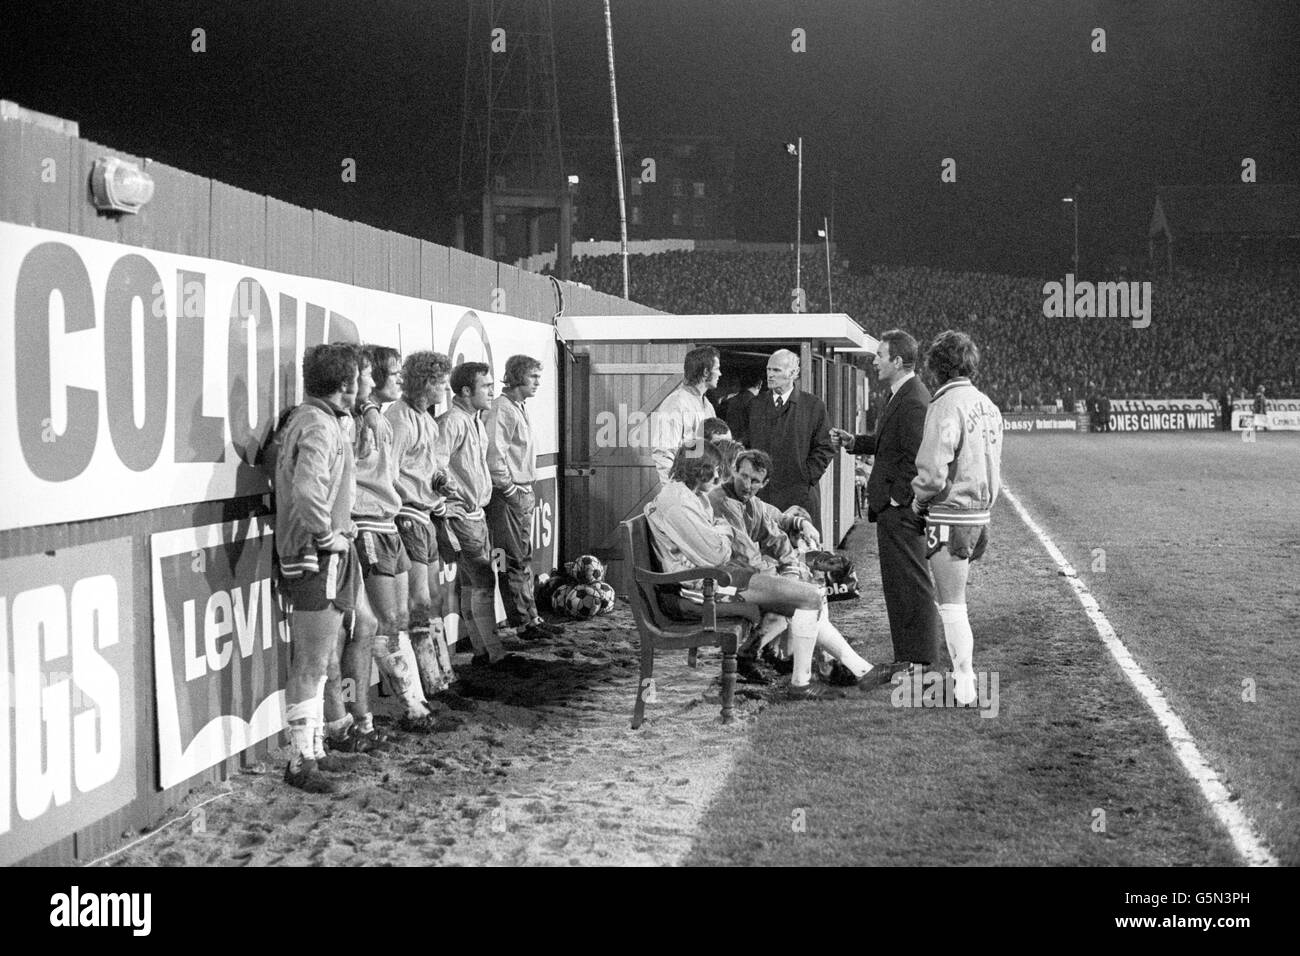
point(546, 586)
point(607, 596)
point(582, 602)
point(588, 569)
point(559, 597)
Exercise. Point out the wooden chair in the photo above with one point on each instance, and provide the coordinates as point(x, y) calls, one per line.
point(660, 632)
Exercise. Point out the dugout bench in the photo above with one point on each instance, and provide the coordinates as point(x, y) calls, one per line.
point(660, 623)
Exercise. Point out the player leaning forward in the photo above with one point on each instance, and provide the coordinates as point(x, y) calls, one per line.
point(314, 490)
point(958, 477)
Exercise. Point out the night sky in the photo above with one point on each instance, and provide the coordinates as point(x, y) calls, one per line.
point(888, 88)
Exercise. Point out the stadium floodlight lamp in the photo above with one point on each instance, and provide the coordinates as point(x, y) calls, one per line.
point(119, 186)
point(821, 233)
point(573, 179)
point(1068, 199)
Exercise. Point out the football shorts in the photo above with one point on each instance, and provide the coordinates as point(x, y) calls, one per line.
point(417, 538)
point(963, 541)
point(381, 554)
point(335, 583)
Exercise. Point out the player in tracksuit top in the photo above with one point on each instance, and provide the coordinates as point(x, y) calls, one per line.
point(464, 447)
point(313, 541)
point(381, 557)
point(958, 477)
point(421, 484)
point(349, 726)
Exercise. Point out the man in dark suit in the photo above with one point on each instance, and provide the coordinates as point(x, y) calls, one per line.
point(736, 413)
point(904, 576)
point(791, 426)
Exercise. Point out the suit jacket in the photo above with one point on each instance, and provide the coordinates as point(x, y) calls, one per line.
point(737, 414)
point(798, 438)
point(895, 443)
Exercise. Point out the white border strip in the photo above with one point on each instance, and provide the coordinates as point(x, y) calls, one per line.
point(1242, 830)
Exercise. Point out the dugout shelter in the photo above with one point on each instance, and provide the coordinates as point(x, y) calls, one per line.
point(618, 369)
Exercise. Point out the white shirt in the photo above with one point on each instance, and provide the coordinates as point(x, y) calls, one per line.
point(899, 383)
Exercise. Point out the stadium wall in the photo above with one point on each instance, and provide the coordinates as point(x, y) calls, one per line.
point(68, 788)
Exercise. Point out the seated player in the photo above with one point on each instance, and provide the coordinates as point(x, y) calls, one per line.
point(687, 534)
point(958, 477)
point(736, 501)
point(313, 540)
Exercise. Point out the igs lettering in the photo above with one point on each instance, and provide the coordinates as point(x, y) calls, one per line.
point(67, 694)
point(220, 645)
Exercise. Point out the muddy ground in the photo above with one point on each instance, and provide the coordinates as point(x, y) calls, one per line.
point(546, 770)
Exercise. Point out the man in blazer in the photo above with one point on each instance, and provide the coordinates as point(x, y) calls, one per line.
point(904, 576)
point(791, 425)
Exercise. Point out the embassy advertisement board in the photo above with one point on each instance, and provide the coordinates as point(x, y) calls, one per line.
point(67, 693)
point(1040, 422)
point(221, 644)
point(204, 355)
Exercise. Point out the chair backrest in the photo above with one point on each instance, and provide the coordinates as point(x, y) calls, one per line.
point(645, 603)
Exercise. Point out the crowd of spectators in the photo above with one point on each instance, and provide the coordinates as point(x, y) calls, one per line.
point(1210, 332)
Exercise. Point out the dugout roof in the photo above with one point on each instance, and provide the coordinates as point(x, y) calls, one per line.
point(833, 329)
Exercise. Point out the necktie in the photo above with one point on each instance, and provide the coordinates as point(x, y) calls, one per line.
point(779, 401)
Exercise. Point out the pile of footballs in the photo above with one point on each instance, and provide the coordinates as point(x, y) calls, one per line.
point(578, 589)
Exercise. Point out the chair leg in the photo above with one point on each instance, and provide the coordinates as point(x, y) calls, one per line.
point(693, 657)
point(728, 682)
point(645, 682)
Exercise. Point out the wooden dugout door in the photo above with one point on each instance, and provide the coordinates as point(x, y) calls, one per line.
point(609, 475)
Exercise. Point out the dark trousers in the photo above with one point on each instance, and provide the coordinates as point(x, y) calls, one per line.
point(914, 624)
point(512, 532)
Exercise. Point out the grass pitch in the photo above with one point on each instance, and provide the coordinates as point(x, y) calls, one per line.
point(1198, 576)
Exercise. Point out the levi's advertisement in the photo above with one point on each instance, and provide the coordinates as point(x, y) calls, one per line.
point(221, 644)
point(203, 354)
point(67, 693)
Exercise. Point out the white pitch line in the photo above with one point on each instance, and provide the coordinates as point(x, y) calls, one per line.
point(1240, 827)
point(150, 836)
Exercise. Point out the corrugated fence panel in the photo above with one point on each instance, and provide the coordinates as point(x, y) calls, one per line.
point(369, 257)
point(31, 157)
point(332, 254)
point(403, 264)
point(508, 301)
point(289, 246)
point(537, 295)
point(177, 218)
point(460, 287)
point(238, 230)
point(484, 285)
point(435, 272)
